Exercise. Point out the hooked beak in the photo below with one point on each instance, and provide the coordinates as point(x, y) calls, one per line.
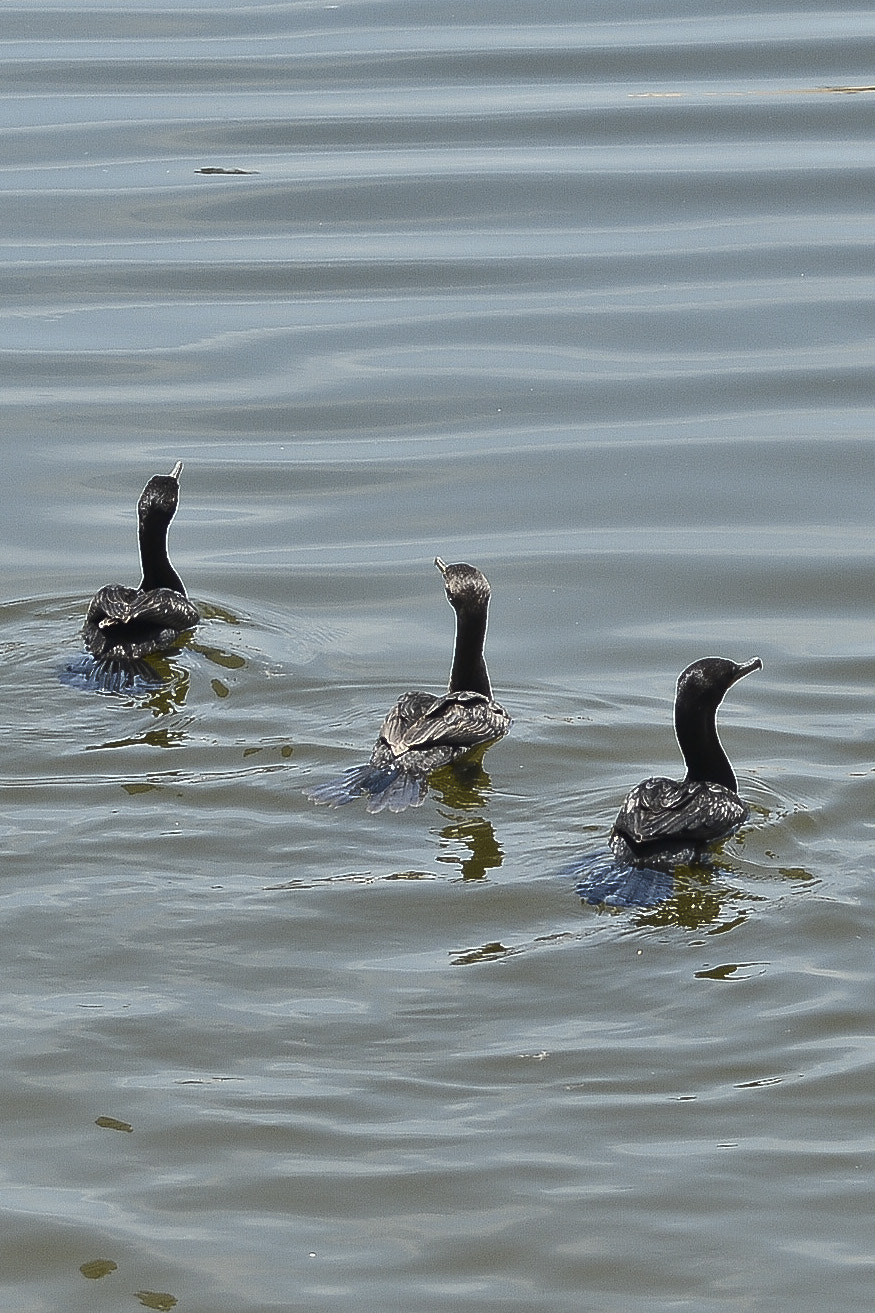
point(747, 668)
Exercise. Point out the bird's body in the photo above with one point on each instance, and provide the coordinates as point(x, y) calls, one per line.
point(664, 823)
point(125, 625)
point(662, 819)
point(424, 732)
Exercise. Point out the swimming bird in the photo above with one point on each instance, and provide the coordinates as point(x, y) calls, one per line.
point(665, 823)
point(669, 819)
point(423, 732)
point(124, 625)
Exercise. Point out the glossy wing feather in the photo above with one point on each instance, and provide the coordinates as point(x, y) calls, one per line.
point(661, 809)
point(162, 607)
point(406, 713)
point(111, 603)
point(458, 720)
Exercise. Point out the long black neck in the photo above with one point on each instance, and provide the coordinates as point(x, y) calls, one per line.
point(469, 673)
point(157, 570)
point(703, 752)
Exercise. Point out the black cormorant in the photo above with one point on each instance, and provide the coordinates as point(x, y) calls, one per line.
point(423, 732)
point(124, 625)
point(666, 823)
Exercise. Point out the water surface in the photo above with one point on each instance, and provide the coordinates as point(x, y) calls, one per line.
point(582, 299)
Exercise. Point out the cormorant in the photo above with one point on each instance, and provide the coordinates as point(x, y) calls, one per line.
point(124, 625)
point(666, 823)
point(423, 732)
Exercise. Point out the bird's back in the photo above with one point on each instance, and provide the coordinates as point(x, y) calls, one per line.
point(695, 811)
point(127, 622)
point(456, 721)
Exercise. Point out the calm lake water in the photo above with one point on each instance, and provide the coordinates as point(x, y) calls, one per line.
point(582, 294)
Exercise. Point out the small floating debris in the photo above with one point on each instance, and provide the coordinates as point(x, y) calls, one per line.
point(156, 1299)
point(97, 1268)
point(113, 1124)
point(228, 173)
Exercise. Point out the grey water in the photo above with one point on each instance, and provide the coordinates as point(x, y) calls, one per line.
point(582, 295)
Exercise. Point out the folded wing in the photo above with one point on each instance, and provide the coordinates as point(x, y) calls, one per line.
point(662, 809)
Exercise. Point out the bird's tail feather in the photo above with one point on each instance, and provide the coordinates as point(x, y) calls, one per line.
point(402, 791)
point(387, 788)
point(110, 675)
point(603, 878)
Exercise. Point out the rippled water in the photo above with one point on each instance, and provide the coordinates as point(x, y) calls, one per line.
point(584, 298)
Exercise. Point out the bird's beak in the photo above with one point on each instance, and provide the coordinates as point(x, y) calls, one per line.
point(441, 565)
point(747, 668)
point(176, 471)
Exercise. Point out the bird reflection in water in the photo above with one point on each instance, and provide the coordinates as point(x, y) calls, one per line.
point(709, 897)
point(166, 693)
point(465, 787)
point(164, 690)
point(160, 684)
point(131, 677)
point(698, 904)
point(163, 700)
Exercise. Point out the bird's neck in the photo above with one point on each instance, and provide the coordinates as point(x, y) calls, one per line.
point(703, 751)
point(157, 570)
point(469, 673)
